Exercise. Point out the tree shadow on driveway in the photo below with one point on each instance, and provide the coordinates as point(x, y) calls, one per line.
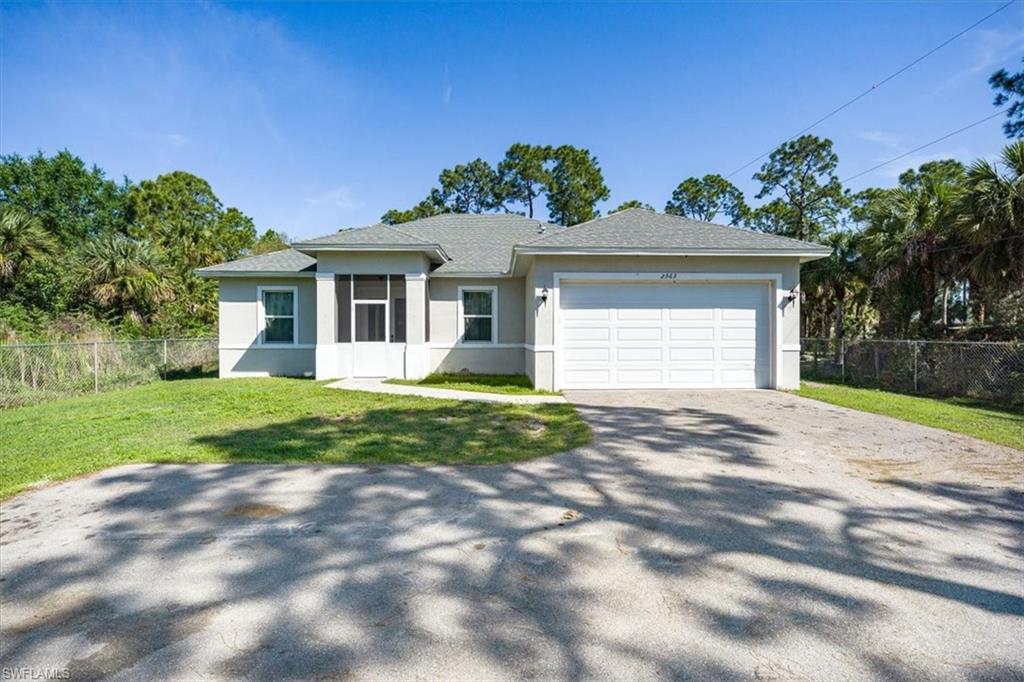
point(682, 542)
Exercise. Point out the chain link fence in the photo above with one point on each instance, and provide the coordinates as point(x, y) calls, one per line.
point(971, 369)
point(33, 373)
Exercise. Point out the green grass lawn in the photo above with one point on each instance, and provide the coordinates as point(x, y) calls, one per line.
point(512, 384)
point(994, 423)
point(269, 421)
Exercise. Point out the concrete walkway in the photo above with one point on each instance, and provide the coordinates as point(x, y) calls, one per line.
point(378, 386)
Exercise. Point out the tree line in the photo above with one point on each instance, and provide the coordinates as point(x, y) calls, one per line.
point(940, 252)
point(82, 255)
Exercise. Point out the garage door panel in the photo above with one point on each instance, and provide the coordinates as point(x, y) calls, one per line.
point(748, 353)
point(692, 335)
point(641, 354)
point(588, 353)
point(692, 377)
point(638, 314)
point(691, 353)
point(638, 333)
point(587, 333)
point(738, 334)
point(706, 314)
point(573, 314)
point(587, 377)
point(738, 376)
point(737, 314)
point(633, 377)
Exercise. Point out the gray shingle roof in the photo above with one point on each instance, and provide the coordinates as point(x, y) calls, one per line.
point(484, 243)
point(637, 228)
point(373, 235)
point(473, 243)
point(476, 243)
point(278, 262)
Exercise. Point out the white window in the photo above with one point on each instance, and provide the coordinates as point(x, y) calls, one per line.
point(478, 314)
point(278, 315)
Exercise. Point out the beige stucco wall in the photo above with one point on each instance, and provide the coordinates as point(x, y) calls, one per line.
point(372, 263)
point(264, 362)
point(444, 308)
point(502, 360)
point(539, 327)
point(239, 324)
point(522, 319)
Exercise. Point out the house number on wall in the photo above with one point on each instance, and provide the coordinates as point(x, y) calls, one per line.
point(668, 275)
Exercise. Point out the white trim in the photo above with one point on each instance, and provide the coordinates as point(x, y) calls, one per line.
point(461, 330)
point(618, 251)
point(435, 249)
point(253, 273)
point(543, 348)
point(324, 276)
point(790, 346)
point(472, 275)
point(474, 344)
point(415, 276)
point(270, 346)
point(804, 256)
point(261, 322)
point(680, 278)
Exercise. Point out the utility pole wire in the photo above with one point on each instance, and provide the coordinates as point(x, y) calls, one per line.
point(876, 86)
point(927, 144)
point(814, 199)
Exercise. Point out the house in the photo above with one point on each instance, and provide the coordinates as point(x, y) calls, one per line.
point(636, 299)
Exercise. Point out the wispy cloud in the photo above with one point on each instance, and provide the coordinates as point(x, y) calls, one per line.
point(893, 145)
point(446, 90)
point(342, 197)
point(890, 140)
point(990, 48)
point(176, 139)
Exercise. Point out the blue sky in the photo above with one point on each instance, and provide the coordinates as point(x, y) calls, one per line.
point(320, 116)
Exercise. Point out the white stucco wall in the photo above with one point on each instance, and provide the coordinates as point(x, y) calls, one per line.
point(238, 330)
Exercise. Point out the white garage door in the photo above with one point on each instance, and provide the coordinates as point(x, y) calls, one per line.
point(664, 336)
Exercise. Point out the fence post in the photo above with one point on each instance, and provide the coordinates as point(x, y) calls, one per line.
point(96, 366)
point(842, 359)
point(916, 347)
point(165, 355)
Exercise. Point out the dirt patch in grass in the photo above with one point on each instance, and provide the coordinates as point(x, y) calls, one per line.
point(533, 427)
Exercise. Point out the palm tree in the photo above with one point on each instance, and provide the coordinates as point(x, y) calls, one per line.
point(992, 221)
point(124, 275)
point(22, 240)
point(913, 243)
point(837, 276)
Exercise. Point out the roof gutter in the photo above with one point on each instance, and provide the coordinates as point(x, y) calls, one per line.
point(220, 274)
point(804, 254)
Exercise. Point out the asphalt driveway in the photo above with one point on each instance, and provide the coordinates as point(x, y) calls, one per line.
point(721, 535)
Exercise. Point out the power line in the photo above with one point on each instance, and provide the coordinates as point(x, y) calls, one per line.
point(926, 144)
point(876, 85)
point(814, 199)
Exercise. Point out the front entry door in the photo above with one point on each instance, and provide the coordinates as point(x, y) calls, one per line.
point(371, 350)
